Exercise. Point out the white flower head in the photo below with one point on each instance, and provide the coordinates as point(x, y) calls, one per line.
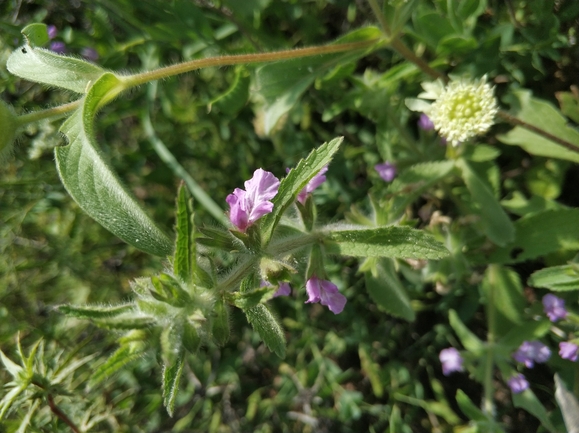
point(461, 110)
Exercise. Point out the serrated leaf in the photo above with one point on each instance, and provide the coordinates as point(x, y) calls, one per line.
point(468, 339)
point(386, 290)
point(281, 84)
point(185, 248)
point(528, 400)
point(36, 34)
point(295, 181)
point(94, 311)
point(171, 378)
point(120, 358)
point(93, 184)
point(557, 278)
point(495, 222)
point(540, 234)
point(546, 117)
point(44, 66)
point(392, 241)
point(268, 328)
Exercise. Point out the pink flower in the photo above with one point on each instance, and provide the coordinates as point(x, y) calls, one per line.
point(518, 383)
point(425, 123)
point(316, 181)
point(52, 31)
point(568, 351)
point(326, 293)
point(249, 205)
point(554, 307)
point(530, 352)
point(284, 289)
point(451, 361)
point(386, 170)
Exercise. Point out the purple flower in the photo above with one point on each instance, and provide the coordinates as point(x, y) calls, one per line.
point(451, 361)
point(530, 352)
point(387, 171)
point(89, 53)
point(518, 383)
point(57, 47)
point(554, 307)
point(326, 293)
point(249, 205)
point(425, 123)
point(569, 351)
point(284, 289)
point(52, 31)
point(316, 181)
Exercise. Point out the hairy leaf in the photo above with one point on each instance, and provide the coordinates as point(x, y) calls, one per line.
point(171, 378)
point(121, 357)
point(392, 241)
point(185, 250)
point(557, 278)
point(93, 184)
point(94, 311)
point(268, 328)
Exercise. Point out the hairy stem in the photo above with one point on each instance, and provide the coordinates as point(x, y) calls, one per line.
point(55, 112)
point(181, 68)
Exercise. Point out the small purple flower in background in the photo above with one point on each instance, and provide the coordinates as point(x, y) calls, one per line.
point(247, 206)
point(451, 361)
point(554, 307)
point(284, 289)
point(316, 181)
point(569, 351)
point(326, 293)
point(518, 383)
point(52, 31)
point(386, 170)
point(425, 123)
point(89, 53)
point(530, 352)
point(57, 47)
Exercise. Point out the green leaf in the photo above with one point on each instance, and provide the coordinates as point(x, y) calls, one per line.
point(295, 181)
point(527, 331)
point(557, 278)
point(468, 407)
point(568, 404)
point(496, 223)
point(191, 339)
point(281, 84)
point(540, 234)
point(468, 339)
point(185, 248)
point(392, 241)
point(528, 400)
point(268, 328)
point(36, 34)
point(14, 369)
point(371, 369)
point(398, 13)
point(123, 356)
point(9, 398)
point(171, 378)
point(545, 116)
point(95, 312)
point(128, 320)
point(220, 326)
point(217, 238)
point(413, 181)
point(386, 290)
point(46, 67)
point(8, 126)
point(504, 292)
point(254, 297)
point(236, 96)
point(569, 102)
point(93, 184)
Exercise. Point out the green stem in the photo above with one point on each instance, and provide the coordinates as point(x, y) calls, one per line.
point(487, 403)
point(181, 68)
point(518, 122)
point(55, 112)
point(239, 273)
point(399, 46)
point(288, 245)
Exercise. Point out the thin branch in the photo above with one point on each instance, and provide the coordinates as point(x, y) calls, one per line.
point(60, 414)
point(518, 122)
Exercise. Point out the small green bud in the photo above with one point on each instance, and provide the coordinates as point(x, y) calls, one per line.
point(8, 127)
point(220, 326)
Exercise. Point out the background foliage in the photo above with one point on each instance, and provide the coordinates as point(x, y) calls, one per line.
point(374, 367)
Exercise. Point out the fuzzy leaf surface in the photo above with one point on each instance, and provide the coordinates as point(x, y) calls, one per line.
point(93, 184)
point(557, 278)
point(392, 241)
point(268, 328)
